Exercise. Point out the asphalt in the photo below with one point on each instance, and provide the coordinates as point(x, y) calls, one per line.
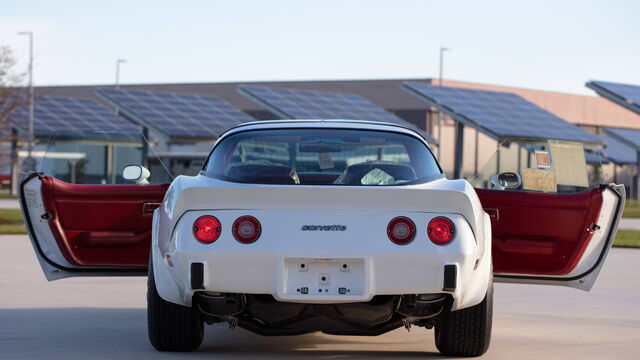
point(105, 318)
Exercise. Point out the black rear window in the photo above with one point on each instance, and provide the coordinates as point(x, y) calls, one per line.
point(322, 157)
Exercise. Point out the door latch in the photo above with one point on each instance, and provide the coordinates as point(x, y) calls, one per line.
point(593, 229)
point(46, 216)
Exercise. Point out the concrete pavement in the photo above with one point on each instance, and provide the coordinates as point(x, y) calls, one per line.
point(105, 318)
point(629, 224)
point(9, 204)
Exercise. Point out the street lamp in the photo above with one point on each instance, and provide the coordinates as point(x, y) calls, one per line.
point(29, 163)
point(442, 50)
point(118, 62)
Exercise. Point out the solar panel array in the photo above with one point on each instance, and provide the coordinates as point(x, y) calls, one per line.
point(618, 152)
point(631, 137)
point(56, 115)
point(179, 115)
point(622, 94)
point(498, 114)
point(311, 104)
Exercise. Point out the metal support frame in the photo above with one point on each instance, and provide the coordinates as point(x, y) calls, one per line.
point(457, 167)
point(636, 182)
point(15, 172)
point(477, 150)
point(145, 147)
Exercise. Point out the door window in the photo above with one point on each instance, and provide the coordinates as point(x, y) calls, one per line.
point(99, 157)
point(550, 166)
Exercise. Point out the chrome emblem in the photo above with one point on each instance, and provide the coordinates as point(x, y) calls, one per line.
point(324, 228)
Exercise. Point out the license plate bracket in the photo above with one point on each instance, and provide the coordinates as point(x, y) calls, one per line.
point(324, 277)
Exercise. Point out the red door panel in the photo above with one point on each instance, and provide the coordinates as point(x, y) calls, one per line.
point(540, 233)
point(102, 225)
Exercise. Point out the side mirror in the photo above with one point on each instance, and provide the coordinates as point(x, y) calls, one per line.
point(506, 181)
point(136, 173)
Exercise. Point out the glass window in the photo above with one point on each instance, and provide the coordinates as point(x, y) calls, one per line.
point(99, 157)
point(322, 157)
point(551, 166)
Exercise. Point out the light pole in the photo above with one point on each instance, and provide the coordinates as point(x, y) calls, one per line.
point(29, 162)
point(118, 62)
point(442, 50)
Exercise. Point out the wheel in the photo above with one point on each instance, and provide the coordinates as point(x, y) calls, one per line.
point(171, 327)
point(466, 332)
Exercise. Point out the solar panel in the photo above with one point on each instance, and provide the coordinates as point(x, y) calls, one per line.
point(179, 115)
point(498, 114)
point(311, 104)
point(56, 115)
point(622, 94)
point(630, 137)
point(618, 152)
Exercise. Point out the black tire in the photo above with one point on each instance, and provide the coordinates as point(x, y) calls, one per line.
point(171, 327)
point(466, 332)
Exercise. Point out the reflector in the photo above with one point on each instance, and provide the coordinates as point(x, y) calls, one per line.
point(401, 230)
point(246, 229)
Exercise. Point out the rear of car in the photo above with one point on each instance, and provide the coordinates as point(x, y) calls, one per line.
point(340, 227)
point(337, 226)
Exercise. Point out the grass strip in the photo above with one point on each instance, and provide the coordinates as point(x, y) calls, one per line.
point(627, 239)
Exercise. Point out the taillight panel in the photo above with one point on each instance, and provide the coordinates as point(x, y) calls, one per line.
point(207, 229)
point(246, 229)
point(401, 230)
point(441, 230)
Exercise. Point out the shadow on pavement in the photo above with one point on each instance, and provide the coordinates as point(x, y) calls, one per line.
point(108, 333)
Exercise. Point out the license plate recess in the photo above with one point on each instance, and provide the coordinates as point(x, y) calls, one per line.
point(319, 277)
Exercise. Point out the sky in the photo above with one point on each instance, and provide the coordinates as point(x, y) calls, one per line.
point(548, 45)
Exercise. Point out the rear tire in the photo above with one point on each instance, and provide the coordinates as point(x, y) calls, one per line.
point(171, 327)
point(466, 332)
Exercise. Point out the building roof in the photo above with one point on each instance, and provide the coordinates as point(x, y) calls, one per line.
point(385, 93)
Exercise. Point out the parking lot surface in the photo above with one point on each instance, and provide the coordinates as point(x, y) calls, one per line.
point(105, 318)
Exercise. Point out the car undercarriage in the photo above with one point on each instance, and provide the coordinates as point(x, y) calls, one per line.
point(264, 315)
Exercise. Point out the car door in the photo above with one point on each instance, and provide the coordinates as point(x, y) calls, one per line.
point(552, 221)
point(82, 216)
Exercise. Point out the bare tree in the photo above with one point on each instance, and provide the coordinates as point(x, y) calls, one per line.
point(10, 81)
point(11, 97)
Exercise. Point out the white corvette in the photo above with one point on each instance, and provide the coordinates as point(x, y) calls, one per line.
point(343, 227)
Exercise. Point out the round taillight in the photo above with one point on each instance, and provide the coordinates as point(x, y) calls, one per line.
point(207, 229)
point(246, 229)
point(440, 230)
point(401, 230)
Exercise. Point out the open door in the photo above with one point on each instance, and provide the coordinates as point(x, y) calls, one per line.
point(552, 220)
point(82, 215)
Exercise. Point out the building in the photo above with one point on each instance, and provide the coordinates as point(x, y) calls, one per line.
point(591, 113)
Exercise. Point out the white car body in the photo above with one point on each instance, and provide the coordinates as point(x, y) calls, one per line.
point(347, 259)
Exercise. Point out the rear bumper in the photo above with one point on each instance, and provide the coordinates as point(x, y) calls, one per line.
point(272, 274)
point(273, 266)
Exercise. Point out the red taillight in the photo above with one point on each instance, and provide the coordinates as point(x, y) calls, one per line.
point(207, 229)
point(440, 230)
point(401, 230)
point(246, 229)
